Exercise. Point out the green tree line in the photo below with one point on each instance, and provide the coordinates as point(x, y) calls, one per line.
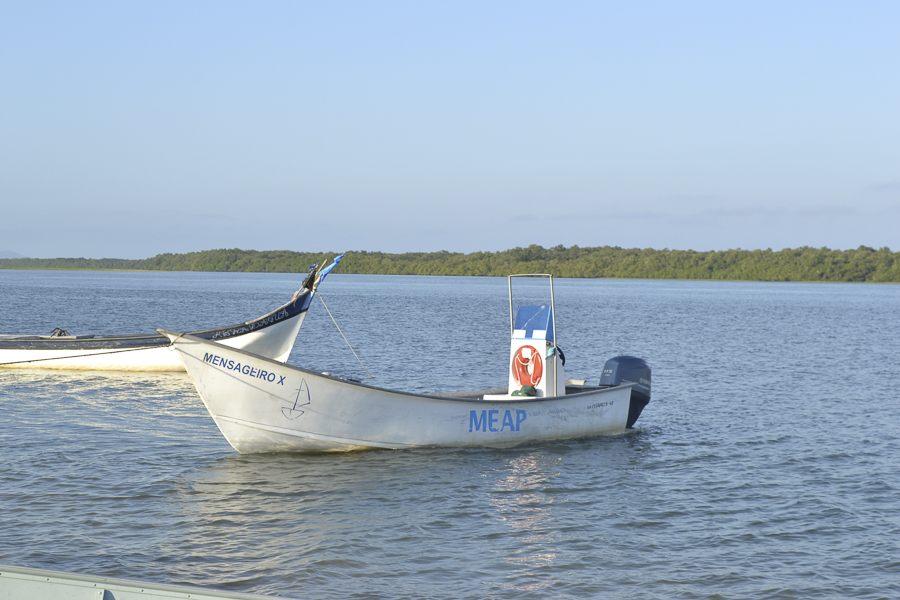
point(863, 264)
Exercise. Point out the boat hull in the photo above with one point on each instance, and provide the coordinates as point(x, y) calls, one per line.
point(263, 406)
point(271, 335)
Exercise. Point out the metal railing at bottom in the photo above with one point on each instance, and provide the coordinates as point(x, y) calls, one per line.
point(20, 583)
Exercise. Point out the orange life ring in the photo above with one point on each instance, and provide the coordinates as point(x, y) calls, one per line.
point(528, 371)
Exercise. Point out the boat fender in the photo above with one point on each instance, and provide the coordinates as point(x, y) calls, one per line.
point(527, 358)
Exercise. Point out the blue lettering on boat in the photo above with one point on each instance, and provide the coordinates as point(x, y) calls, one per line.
point(258, 324)
point(492, 419)
point(253, 372)
point(478, 423)
point(486, 420)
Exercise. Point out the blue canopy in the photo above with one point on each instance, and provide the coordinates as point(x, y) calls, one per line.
point(534, 322)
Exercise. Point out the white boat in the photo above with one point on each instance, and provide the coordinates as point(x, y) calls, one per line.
point(271, 335)
point(264, 406)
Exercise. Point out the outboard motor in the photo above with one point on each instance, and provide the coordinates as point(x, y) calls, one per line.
point(629, 369)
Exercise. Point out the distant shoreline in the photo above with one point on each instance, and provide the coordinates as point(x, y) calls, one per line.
point(862, 265)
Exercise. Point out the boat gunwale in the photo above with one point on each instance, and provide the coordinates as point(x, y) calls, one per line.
point(175, 336)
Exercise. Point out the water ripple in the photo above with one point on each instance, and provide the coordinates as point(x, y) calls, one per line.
point(763, 468)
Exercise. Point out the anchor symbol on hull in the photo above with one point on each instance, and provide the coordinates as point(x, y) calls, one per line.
point(294, 411)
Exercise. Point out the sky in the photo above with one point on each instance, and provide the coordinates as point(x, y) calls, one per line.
point(130, 129)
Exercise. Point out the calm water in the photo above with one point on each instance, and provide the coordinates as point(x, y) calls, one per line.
point(766, 465)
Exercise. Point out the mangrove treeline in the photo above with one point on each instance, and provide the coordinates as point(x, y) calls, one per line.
point(801, 264)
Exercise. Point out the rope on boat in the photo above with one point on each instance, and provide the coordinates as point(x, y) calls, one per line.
point(344, 336)
point(34, 360)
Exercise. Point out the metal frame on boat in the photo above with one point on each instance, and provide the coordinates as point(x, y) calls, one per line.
point(38, 584)
point(264, 406)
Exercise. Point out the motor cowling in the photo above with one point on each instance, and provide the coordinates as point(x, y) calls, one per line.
point(629, 369)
